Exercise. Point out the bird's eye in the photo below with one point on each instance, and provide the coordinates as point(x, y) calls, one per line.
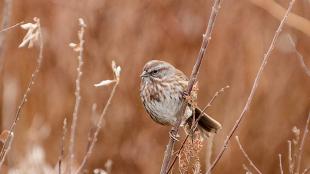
point(155, 72)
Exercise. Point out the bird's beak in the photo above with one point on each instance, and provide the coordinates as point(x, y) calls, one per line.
point(144, 74)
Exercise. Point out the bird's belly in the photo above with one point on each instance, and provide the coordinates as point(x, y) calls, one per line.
point(167, 108)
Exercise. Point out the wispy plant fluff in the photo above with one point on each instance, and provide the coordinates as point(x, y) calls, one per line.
point(33, 33)
point(117, 72)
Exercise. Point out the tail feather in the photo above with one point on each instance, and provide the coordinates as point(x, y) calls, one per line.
point(206, 122)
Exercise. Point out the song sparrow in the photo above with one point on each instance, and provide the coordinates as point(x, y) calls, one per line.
point(161, 91)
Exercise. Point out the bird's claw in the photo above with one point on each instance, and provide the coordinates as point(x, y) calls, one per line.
point(173, 136)
point(185, 94)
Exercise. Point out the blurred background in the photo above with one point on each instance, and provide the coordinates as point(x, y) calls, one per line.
point(131, 33)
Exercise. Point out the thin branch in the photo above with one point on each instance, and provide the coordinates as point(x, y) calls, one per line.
point(13, 26)
point(247, 156)
point(9, 140)
point(80, 49)
point(280, 164)
point(219, 92)
point(193, 78)
point(306, 171)
point(295, 141)
point(6, 15)
point(209, 149)
point(302, 143)
point(62, 145)
point(257, 78)
point(290, 158)
point(300, 57)
point(98, 127)
point(247, 170)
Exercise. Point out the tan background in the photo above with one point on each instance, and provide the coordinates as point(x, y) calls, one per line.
point(133, 32)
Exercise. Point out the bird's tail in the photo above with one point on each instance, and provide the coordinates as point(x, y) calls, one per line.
point(206, 122)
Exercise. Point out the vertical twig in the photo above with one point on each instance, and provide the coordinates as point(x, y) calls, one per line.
point(290, 158)
point(247, 170)
point(62, 145)
point(193, 78)
point(6, 15)
point(209, 150)
point(257, 78)
point(302, 143)
point(9, 140)
point(98, 127)
point(80, 49)
point(300, 57)
point(280, 164)
point(306, 171)
point(247, 156)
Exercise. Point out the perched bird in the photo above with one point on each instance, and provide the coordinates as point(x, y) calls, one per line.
point(161, 91)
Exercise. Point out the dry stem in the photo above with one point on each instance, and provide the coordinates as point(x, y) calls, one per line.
point(257, 78)
point(247, 170)
point(62, 145)
point(300, 57)
point(6, 15)
point(80, 49)
point(280, 164)
point(247, 156)
point(13, 26)
point(193, 78)
point(290, 158)
point(98, 127)
point(209, 150)
point(306, 171)
point(9, 140)
point(302, 143)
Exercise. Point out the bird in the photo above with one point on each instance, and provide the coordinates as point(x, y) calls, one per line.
point(162, 91)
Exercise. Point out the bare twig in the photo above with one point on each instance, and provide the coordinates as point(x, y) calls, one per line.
point(13, 26)
point(9, 140)
point(302, 143)
point(300, 57)
point(280, 164)
point(257, 78)
point(62, 145)
point(79, 48)
point(94, 118)
point(193, 78)
point(98, 125)
point(306, 171)
point(247, 170)
point(247, 156)
point(209, 149)
point(295, 142)
point(219, 92)
point(290, 158)
point(6, 15)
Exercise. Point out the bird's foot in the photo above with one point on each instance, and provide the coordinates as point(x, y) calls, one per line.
point(174, 135)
